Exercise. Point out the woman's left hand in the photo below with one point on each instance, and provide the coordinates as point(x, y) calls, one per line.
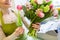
point(36, 26)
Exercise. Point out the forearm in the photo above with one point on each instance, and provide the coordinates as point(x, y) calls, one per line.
point(2, 35)
point(11, 37)
point(24, 19)
point(26, 22)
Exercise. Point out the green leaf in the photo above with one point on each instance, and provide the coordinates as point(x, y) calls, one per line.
point(32, 1)
point(33, 4)
point(24, 8)
point(49, 3)
point(42, 7)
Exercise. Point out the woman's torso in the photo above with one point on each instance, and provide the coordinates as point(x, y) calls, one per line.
point(8, 28)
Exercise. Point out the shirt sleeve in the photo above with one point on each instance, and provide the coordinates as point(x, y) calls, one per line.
point(49, 26)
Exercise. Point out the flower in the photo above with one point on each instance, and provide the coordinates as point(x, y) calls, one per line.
point(19, 7)
point(51, 6)
point(19, 21)
point(55, 13)
point(40, 13)
point(47, 1)
point(28, 5)
point(39, 1)
point(46, 8)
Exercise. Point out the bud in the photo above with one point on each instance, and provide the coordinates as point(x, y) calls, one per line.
point(51, 6)
point(19, 7)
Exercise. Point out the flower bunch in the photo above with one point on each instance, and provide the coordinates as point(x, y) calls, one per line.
point(37, 11)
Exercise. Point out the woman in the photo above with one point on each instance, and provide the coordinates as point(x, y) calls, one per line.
point(8, 20)
point(6, 12)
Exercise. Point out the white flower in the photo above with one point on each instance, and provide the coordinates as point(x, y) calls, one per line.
point(39, 1)
point(28, 5)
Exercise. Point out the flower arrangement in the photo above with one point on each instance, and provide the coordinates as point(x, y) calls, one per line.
point(37, 11)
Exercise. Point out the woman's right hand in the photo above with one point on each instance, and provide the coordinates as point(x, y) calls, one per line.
point(15, 35)
point(19, 31)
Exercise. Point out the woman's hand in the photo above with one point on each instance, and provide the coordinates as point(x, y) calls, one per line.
point(36, 26)
point(15, 35)
point(19, 31)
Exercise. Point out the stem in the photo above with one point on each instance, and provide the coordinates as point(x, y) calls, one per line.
point(32, 21)
point(19, 21)
point(31, 30)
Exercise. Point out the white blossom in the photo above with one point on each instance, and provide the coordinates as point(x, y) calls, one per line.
point(39, 1)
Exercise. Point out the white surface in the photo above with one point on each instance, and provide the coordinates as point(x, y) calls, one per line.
point(49, 26)
point(56, 3)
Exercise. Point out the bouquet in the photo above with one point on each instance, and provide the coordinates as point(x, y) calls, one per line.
point(37, 11)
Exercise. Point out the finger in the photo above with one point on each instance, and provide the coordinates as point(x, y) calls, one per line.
point(37, 29)
point(17, 29)
point(37, 23)
point(33, 24)
point(21, 31)
point(36, 26)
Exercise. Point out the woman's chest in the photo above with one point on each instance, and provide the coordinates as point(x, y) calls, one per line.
point(9, 18)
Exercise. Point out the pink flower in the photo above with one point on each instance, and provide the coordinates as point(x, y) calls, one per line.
point(51, 6)
point(41, 14)
point(19, 7)
point(47, 1)
point(55, 12)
